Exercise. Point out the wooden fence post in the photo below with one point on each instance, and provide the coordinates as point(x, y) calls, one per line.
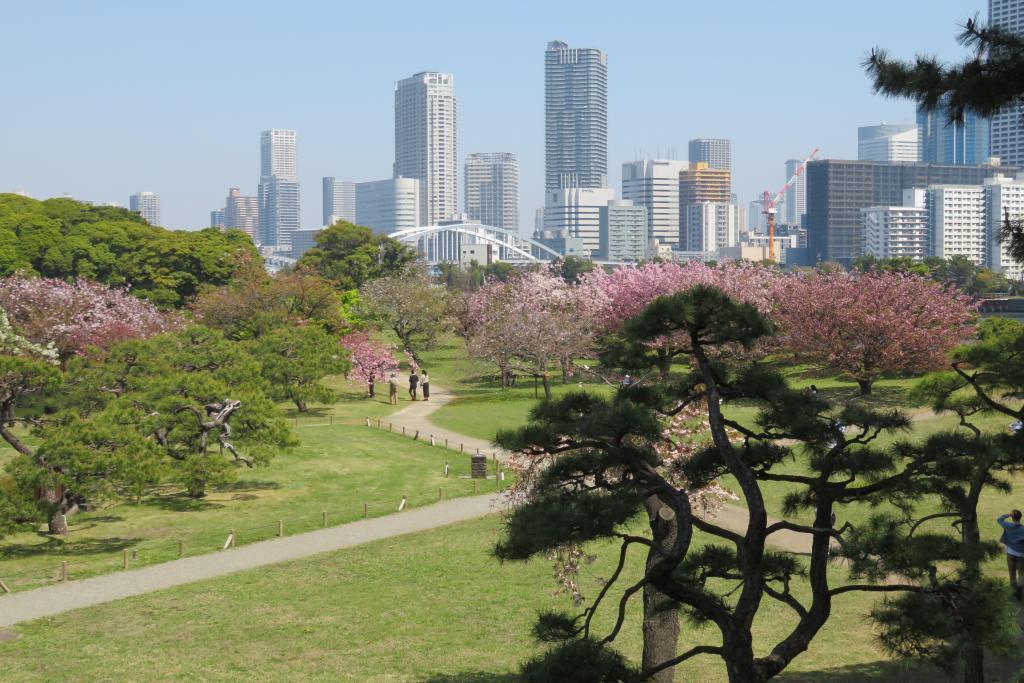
point(367, 422)
point(181, 548)
point(330, 420)
point(63, 571)
point(431, 439)
point(474, 486)
point(325, 518)
point(391, 427)
point(124, 559)
point(4, 588)
point(366, 510)
point(462, 448)
point(417, 436)
point(401, 506)
point(439, 493)
point(378, 423)
point(403, 430)
point(446, 443)
point(446, 470)
point(280, 527)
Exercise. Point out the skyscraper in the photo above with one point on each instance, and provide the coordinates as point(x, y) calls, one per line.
point(217, 218)
point(715, 152)
point(888, 142)
point(425, 142)
point(654, 184)
point(796, 196)
point(147, 205)
point(961, 143)
point(1007, 137)
point(492, 189)
point(388, 205)
point(339, 201)
point(279, 188)
point(242, 213)
point(575, 211)
point(710, 227)
point(575, 117)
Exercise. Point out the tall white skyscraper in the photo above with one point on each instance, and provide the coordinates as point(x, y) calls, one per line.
point(715, 152)
point(1007, 136)
point(425, 142)
point(957, 222)
point(147, 205)
point(888, 142)
point(388, 205)
point(278, 193)
point(339, 201)
point(575, 117)
point(654, 184)
point(796, 196)
point(492, 189)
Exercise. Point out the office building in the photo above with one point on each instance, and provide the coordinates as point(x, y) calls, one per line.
point(147, 205)
point(1007, 136)
point(837, 190)
point(888, 142)
point(217, 218)
point(757, 221)
point(575, 117)
point(303, 241)
point(538, 221)
point(242, 213)
point(339, 201)
point(425, 142)
point(654, 184)
point(390, 205)
point(492, 189)
point(898, 231)
point(953, 142)
point(1003, 196)
point(715, 152)
point(699, 182)
point(795, 199)
point(710, 227)
point(278, 193)
point(622, 231)
point(576, 212)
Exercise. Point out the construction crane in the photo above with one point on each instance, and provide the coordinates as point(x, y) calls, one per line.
point(771, 202)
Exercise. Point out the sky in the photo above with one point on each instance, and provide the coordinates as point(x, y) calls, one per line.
point(101, 100)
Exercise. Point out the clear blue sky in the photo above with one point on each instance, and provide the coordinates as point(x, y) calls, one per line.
point(103, 99)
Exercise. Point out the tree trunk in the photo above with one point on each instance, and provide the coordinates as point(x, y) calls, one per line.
point(370, 389)
point(739, 657)
point(547, 385)
point(973, 657)
point(865, 386)
point(661, 613)
point(301, 405)
point(58, 524)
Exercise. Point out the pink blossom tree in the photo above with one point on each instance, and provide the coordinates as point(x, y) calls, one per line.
point(73, 316)
point(864, 325)
point(371, 360)
point(531, 323)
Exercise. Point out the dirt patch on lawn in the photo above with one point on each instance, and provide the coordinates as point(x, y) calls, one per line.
point(7, 636)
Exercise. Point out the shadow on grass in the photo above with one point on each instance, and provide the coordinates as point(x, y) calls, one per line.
point(247, 485)
point(472, 677)
point(54, 546)
point(882, 670)
point(180, 502)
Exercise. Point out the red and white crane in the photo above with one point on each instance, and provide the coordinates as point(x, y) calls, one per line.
point(770, 202)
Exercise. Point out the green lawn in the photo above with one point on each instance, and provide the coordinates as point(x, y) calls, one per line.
point(434, 606)
point(339, 465)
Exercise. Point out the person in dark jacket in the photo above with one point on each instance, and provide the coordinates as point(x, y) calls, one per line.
point(425, 383)
point(1013, 539)
point(414, 381)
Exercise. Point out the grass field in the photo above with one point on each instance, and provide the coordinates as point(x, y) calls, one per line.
point(434, 606)
point(338, 466)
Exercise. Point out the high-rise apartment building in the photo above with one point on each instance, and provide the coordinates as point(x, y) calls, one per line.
point(242, 213)
point(795, 199)
point(953, 142)
point(425, 142)
point(699, 182)
point(710, 227)
point(217, 218)
point(622, 231)
point(715, 152)
point(576, 213)
point(898, 231)
point(390, 205)
point(278, 192)
point(1007, 136)
point(956, 222)
point(339, 201)
point(492, 189)
point(1003, 196)
point(888, 142)
point(147, 205)
point(575, 117)
point(837, 190)
point(654, 184)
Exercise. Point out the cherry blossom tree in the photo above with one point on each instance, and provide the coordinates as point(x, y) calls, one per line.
point(73, 316)
point(867, 324)
point(371, 360)
point(531, 323)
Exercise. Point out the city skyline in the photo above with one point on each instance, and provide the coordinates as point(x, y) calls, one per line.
point(194, 152)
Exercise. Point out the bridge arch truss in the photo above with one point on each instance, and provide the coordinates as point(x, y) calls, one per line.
point(443, 243)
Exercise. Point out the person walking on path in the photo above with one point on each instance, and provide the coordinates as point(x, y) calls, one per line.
point(414, 381)
point(393, 389)
point(1013, 539)
point(425, 382)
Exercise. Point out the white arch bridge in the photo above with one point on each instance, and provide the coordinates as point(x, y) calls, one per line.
point(443, 243)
